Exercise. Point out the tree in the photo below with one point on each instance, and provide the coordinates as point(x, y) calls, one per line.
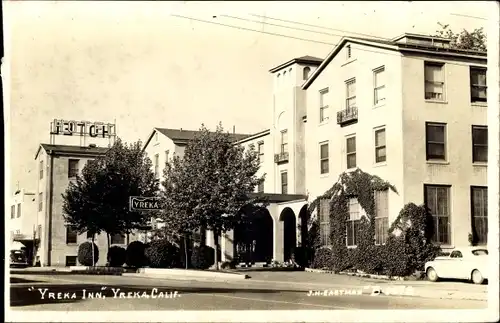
point(467, 40)
point(99, 199)
point(208, 187)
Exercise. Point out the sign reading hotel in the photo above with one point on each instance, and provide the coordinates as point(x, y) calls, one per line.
point(139, 203)
point(82, 128)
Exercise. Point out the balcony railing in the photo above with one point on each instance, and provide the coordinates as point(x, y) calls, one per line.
point(347, 116)
point(281, 157)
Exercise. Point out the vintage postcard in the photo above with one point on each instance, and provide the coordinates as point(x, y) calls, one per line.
point(251, 161)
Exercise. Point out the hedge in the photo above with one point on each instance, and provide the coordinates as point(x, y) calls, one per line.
point(135, 255)
point(202, 257)
point(162, 253)
point(407, 248)
point(85, 254)
point(116, 256)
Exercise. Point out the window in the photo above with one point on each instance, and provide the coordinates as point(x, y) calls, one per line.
point(323, 158)
point(379, 85)
point(381, 216)
point(260, 187)
point(479, 144)
point(260, 151)
point(479, 202)
point(40, 202)
point(157, 166)
point(117, 239)
point(284, 183)
point(71, 235)
point(284, 141)
point(70, 261)
point(72, 168)
point(350, 93)
point(13, 211)
point(305, 73)
point(437, 199)
point(351, 152)
point(434, 81)
point(324, 221)
point(478, 84)
point(323, 105)
point(19, 210)
point(380, 150)
point(348, 51)
point(89, 235)
point(436, 140)
point(167, 153)
point(456, 254)
point(156, 136)
point(353, 222)
point(41, 169)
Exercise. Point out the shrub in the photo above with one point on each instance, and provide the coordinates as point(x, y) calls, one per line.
point(323, 259)
point(162, 253)
point(85, 254)
point(117, 256)
point(228, 264)
point(202, 257)
point(135, 255)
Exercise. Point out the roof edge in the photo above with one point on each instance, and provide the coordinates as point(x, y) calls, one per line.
point(293, 61)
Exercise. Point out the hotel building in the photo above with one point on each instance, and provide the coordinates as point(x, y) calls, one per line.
point(410, 110)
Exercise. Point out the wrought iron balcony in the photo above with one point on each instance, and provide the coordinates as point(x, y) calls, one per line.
point(347, 116)
point(281, 157)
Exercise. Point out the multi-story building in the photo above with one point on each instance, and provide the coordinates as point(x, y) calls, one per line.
point(23, 230)
point(411, 110)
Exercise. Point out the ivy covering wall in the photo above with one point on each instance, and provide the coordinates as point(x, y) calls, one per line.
point(408, 244)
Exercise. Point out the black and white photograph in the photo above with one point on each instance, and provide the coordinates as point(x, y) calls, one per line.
point(225, 161)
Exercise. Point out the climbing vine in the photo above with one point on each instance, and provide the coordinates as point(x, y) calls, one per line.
point(409, 237)
point(360, 185)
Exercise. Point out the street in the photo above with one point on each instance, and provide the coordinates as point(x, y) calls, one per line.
point(44, 292)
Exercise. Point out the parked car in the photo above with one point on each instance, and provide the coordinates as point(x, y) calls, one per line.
point(468, 263)
point(18, 258)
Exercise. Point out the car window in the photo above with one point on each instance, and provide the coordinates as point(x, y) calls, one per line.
point(456, 254)
point(479, 252)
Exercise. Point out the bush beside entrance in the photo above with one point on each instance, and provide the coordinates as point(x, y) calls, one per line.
point(85, 254)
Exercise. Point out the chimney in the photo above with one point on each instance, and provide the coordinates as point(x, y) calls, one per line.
point(181, 129)
point(234, 129)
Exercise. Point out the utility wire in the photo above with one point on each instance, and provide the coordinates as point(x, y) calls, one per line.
point(462, 15)
point(286, 36)
point(295, 28)
point(316, 26)
point(248, 29)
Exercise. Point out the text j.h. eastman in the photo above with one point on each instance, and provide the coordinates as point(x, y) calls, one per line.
point(45, 293)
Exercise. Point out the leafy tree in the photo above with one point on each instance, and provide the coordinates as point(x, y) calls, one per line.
point(210, 185)
point(469, 40)
point(99, 199)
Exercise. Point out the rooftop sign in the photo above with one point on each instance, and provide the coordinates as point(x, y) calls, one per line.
point(82, 128)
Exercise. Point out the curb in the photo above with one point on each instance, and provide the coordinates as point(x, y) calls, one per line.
point(187, 274)
point(382, 277)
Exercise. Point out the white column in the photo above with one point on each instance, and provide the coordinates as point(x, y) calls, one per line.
point(227, 246)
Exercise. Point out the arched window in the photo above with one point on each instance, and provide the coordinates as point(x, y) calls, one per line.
point(305, 72)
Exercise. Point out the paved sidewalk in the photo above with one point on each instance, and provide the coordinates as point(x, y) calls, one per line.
point(322, 281)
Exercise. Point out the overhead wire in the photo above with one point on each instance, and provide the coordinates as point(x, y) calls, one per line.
point(279, 35)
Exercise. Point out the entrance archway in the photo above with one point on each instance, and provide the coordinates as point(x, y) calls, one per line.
point(289, 233)
point(253, 236)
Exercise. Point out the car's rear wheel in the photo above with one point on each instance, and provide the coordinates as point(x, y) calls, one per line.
point(432, 274)
point(477, 277)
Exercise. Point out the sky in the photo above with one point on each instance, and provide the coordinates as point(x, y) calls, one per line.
point(175, 64)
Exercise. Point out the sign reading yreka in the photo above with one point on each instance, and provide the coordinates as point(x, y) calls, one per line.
point(139, 203)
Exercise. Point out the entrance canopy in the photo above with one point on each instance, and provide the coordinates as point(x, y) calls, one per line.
point(280, 198)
